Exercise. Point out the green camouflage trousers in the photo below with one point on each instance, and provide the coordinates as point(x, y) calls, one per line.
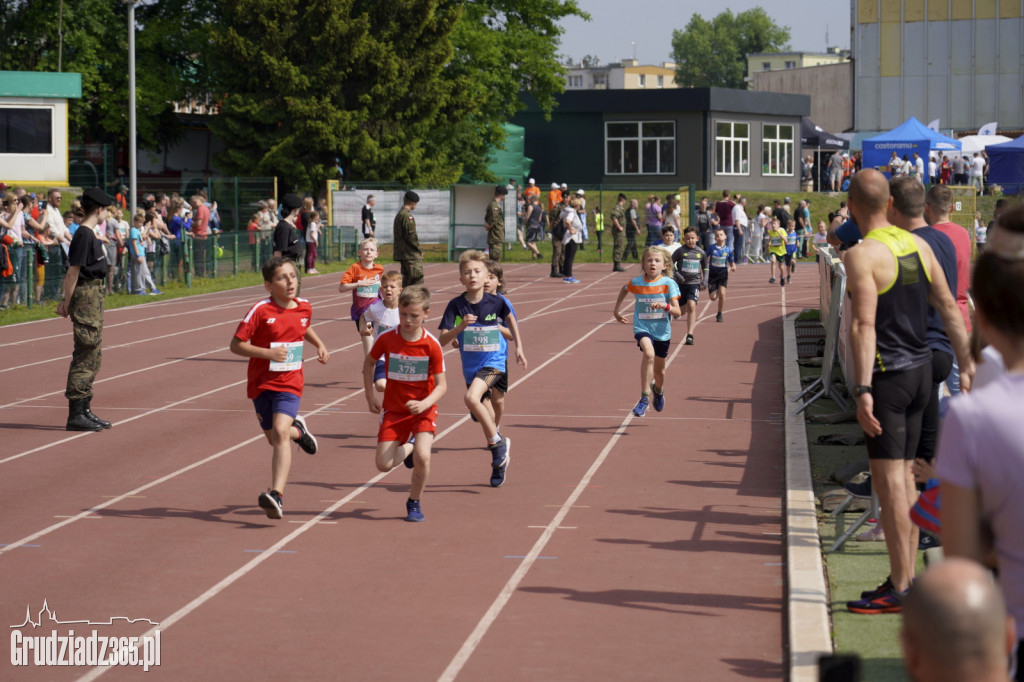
point(412, 272)
point(618, 244)
point(495, 244)
point(86, 313)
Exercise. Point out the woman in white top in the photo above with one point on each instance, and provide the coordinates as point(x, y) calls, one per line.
point(312, 239)
point(572, 238)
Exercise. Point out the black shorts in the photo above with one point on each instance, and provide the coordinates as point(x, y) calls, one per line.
point(689, 292)
point(718, 279)
point(900, 399)
point(787, 258)
point(493, 377)
point(532, 234)
point(660, 347)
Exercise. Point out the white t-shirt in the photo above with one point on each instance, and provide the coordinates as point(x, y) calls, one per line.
point(919, 163)
point(313, 232)
point(977, 167)
point(739, 216)
point(671, 248)
point(381, 317)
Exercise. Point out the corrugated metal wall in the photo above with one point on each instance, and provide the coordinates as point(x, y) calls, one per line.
point(961, 61)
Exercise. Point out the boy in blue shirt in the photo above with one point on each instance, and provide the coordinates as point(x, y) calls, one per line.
point(792, 248)
point(720, 257)
point(657, 297)
point(691, 265)
point(475, 318)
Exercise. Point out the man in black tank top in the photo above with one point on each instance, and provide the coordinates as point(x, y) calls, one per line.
point(892, 277)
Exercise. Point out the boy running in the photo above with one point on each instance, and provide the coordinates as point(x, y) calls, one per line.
point(475, 318)
point(363, 279)
point(668, 241)
point(382, 316)
point(777, 253)
point(691, 266)
point(271, 336)
point(718, 274)
point(792, 250)
point(415, 383)
point(657, 296)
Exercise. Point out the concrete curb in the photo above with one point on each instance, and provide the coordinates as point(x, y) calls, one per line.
point(809, 625)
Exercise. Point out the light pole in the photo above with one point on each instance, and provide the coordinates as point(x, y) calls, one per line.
point(132, 172)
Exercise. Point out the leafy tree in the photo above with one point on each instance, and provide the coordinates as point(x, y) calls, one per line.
point(714, 53)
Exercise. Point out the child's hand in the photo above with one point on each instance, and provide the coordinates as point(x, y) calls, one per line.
point(923, 470)
point(521, 358)
point(323, 355)
point(416, 406)
point(367, 330)
point(468, 320)
point(455, 343)
point(372, 402)
point(278, 354)
point(620, 318)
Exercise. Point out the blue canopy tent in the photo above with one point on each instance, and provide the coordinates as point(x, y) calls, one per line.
point(909, 137)
point(1006, 165)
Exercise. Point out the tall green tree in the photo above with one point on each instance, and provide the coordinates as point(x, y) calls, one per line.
point(714, 53)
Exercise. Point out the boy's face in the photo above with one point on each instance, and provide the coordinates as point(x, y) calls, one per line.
point(284, 283)
point(389, 291)
point(668, 237)
point(472, 274)
point(491, 283)
point(690, 239)
point(822, 229)
point(412, 316)
point(368, 253)
point(719, 237)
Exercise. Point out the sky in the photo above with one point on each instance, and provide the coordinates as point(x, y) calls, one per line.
point(616, 24)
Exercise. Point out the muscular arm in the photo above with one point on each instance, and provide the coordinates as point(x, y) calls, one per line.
point(941, 299)
point(860, 284)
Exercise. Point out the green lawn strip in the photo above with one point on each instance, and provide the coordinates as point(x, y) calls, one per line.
point(856, 566)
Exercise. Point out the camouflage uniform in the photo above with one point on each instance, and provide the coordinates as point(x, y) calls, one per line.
point(618, 212)
point(495, 217)
point(86, 313)
point(407, 248)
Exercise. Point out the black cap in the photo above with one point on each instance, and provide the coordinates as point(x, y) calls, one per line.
point(97, 196)
point(501, 189)
point(291, 201)
point(412, 196)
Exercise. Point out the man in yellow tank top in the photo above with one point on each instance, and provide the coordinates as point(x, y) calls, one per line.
point(892, 277)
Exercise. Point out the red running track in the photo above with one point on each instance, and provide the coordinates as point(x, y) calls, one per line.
point(619, 548)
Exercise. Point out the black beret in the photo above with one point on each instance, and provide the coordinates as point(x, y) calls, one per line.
point(412, 196)
point(501, 189)
point(97, 196)
point(291, 201)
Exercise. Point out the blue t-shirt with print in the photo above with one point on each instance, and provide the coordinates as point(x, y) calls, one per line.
point(719, 258)
point(645, 319)
point(481, 344)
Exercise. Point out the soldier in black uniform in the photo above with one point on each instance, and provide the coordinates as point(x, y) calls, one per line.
point(83, 303)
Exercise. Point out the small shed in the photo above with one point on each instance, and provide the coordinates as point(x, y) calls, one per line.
point(34, 125)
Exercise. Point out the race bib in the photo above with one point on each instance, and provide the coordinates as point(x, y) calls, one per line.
point(481, 340)
point(791, 239)
point(718, 261)
point(690, 265)
point(368, 291)
point(294, 359)
point(646, 312)
point(408, 367)
point(775, 241)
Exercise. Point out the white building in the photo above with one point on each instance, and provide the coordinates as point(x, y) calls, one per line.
point(628, 74)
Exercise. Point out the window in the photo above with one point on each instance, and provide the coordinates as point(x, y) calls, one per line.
point(575, 81)
point(661, 81)
point(732, 148)
point(640, 147)
point(766, 66)
point(643, 80)
point(790, 65)
point(777, 149)
point(600, 80)
point(26, 130)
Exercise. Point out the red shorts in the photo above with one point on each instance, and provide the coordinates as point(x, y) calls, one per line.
point(398, 426)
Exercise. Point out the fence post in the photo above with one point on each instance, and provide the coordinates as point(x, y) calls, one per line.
point(234, 265)
point(190, 262)
point(238, 222)
point(30, 279)
point(213, 255)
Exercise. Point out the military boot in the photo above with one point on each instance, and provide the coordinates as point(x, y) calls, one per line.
point(88, 413)
point(77, 421)
point(618, 267)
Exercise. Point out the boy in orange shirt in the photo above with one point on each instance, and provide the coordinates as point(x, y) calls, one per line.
point(415, 383)
point(363, 279)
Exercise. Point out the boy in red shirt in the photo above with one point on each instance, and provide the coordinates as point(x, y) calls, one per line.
point(415, 383)
point(271, 336)
point(363, 279)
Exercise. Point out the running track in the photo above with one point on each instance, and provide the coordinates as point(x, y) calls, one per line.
point(619, 548)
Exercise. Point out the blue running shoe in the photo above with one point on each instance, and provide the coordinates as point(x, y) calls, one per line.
point(659, 399)
point(641, 406)
point(156, 292)
point(412, 511)
point(499, 461)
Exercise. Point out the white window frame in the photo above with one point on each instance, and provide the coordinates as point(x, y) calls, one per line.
point(790, 65)
point(766, 66)
point(775, 149)
point(661, 81)
point(732, 148)
point(52, 110)
point(642, 79)
point(639, 139)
